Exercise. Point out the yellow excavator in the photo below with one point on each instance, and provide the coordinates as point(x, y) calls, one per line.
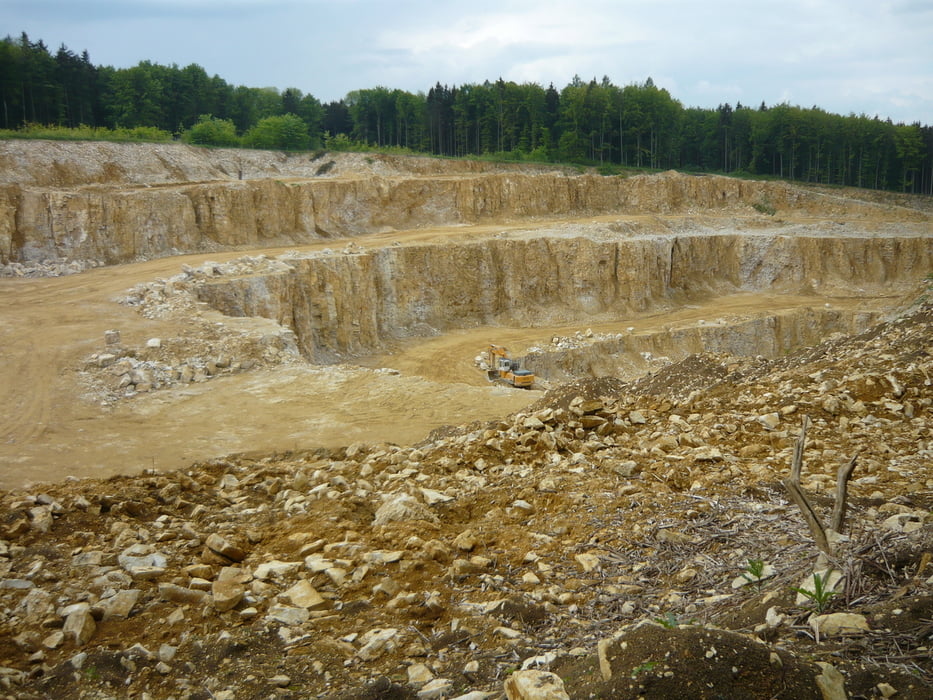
point(500, 367)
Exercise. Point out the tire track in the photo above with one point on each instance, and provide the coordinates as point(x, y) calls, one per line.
point(27, 403)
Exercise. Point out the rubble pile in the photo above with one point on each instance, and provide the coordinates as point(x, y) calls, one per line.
point(601, 543)
point(212, 345)
point(46, 268)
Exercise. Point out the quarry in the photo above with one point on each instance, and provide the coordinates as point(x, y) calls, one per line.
point(247, 449)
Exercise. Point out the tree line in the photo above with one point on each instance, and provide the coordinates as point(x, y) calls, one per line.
point(592, 122)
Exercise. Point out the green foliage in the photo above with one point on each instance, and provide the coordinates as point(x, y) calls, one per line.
point(822, 594)
point(86, 133)
point(643, 668)
point(594, 123)
point(669, 621)
point(765, 207)
point(754, 571)
point(210, 131)
point(287, 132)
point(342, 142)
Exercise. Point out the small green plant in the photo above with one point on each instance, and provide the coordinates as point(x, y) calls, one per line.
point(647, 666)
point(669, 621)
point(764, 207)
point(821, 593)
point(754, 571)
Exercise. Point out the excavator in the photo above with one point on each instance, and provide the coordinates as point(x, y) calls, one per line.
point(502, 368)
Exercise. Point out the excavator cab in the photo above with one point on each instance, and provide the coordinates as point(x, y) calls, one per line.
point(501, 367)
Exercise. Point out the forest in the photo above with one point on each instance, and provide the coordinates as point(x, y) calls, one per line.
point(586, 122)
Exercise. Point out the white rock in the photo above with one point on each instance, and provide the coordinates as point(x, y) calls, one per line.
point(376, 642)
point(541, 660)
point(142, 566)
point(508, 632)
point(773, 618)
point(770, 420)
point(402, 507)
point(707, 454)
point(276, 569)
point(588, 562)
point(535, 685)
point(831, 683)
point(432, 497)
point(304, 595)
point(316, 563)
point(887, 690)
point(288, 615)
point(80, 626)
point(120, 604)
point(438, 688)
point(899, 522)
point(226, 594)
point(838, 624)
point(419, 674)
point(54, 640)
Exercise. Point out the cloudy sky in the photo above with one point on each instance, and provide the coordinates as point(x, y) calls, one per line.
point(845, 56)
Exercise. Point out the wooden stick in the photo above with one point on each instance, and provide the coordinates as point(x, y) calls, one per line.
point(813, 521)
point(792, 484)
point(797, 464)
point(842, 485)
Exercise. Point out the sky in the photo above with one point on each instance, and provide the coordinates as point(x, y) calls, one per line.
point(872, 57)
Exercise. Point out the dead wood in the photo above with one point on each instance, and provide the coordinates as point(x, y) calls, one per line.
point(794, 490)
point(842, 485)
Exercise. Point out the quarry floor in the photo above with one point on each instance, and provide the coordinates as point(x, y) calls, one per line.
point(52, 428)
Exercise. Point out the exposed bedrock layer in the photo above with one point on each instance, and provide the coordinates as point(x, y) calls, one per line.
point(340, 305)
point(119, 203)
point(767, 335)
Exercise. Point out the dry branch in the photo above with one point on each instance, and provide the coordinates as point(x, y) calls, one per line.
point(801, 441)
point(813, 520)
point(792, 484)
point(842, 485)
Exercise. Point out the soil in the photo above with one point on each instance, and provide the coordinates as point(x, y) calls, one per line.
point(528, 525)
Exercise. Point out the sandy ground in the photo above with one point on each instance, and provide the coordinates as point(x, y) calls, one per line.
point(49, 326)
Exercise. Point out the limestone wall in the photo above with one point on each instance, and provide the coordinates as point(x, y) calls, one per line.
point(346, 304)
point(114, 203)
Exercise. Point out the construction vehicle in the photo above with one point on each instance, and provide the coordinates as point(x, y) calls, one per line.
point(500, 367)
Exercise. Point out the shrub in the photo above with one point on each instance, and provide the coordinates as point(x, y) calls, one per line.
point(210, 131)
point(287, 132)
point(86, 133)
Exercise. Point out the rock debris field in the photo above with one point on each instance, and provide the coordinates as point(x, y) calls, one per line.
point(247, 452)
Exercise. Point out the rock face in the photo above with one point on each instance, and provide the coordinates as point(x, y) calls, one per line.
point(353, 303)
point(115, 203)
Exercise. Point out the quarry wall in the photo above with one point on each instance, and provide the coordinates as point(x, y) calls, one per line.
point(352, 304)
point(115, 203)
